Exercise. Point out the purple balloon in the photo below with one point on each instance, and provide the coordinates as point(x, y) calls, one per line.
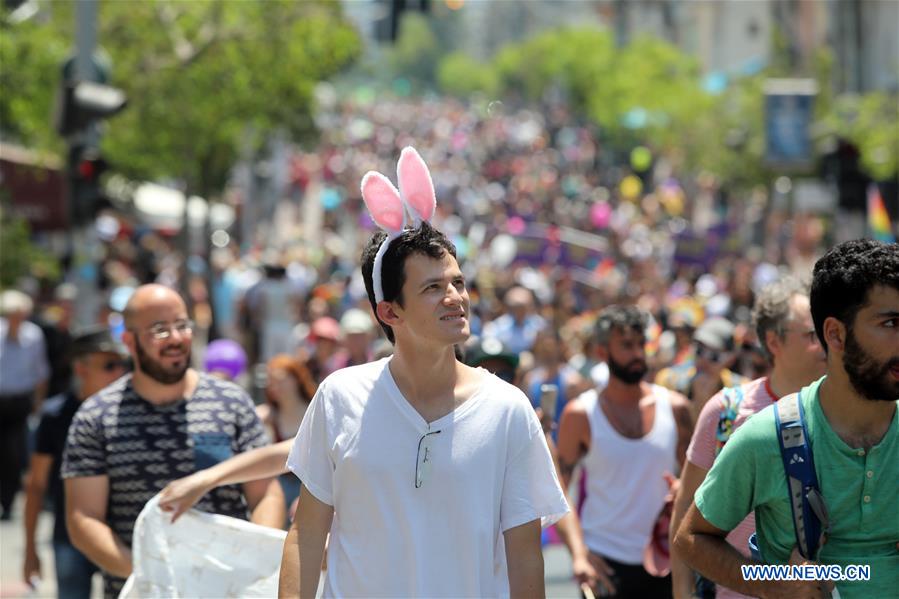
point(226, 355)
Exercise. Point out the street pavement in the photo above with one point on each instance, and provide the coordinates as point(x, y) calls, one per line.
point(12, 544)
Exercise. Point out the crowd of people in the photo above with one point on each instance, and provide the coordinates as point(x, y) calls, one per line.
point(547, 262)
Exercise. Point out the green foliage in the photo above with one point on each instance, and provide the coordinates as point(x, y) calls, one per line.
point(729, 138)
point(580, 60)
point(19, 257)
point(648, 91)
point(200, 76)
point(417, 50)
point(460, 75)
point(871, 122)
point(31, 54)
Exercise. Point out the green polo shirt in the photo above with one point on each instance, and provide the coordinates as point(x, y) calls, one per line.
point(860, 489)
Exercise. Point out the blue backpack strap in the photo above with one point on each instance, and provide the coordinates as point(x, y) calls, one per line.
point(810, 521)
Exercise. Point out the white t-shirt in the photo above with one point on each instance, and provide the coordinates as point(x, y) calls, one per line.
point(490, 470)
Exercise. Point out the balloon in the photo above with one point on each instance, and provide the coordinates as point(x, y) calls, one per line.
point(630, 187)
point(516, 225)
point(600, 214)
point(226, 356)
point(641, 158)
point(503, 250)
point(330, 198)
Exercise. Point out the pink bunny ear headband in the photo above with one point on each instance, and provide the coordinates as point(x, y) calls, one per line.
point(388, 206)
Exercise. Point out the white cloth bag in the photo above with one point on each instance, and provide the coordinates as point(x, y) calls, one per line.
point(202, 555)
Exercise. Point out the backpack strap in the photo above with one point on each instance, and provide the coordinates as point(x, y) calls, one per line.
point(810, 521)
point(731, 398)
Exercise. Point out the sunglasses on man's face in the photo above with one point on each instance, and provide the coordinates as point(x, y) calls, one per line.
point(113, 365)
point(713, 355)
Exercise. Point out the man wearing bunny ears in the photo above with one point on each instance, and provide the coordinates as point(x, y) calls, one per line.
point(431, 476)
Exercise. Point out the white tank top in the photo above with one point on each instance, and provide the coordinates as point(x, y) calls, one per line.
point(625, 485)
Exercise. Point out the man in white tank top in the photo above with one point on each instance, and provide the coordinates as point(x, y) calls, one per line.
point(630, 438)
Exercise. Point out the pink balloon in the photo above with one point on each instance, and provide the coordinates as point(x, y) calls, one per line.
point(516, 225)
point(600, 214)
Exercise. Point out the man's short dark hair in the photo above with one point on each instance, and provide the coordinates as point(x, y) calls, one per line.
point(773, 307)
point(621, 318)
point(425, 240)
point(845, 275)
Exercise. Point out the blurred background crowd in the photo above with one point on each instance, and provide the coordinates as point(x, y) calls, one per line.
point(674, 155)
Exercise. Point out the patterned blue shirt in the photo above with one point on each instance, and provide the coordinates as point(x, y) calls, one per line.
point(142, 447)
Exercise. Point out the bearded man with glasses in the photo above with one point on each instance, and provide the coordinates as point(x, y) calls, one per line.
point(784, 326)
point(164, 421)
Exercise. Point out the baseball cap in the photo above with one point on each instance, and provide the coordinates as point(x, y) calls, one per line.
point(355, 321)
point(13, 301)
point(95, 339)
point(325, 327)
point(488, 348)
point(716, 333)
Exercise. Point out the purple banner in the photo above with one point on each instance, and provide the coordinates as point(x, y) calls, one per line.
point(692, 249)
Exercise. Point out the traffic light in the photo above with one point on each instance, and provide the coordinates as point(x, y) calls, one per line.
point(387, 28)
point(86, 167)
point(842, 166)
point(86, 102)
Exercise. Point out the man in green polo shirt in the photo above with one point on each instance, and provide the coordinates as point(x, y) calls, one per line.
point(853, 429)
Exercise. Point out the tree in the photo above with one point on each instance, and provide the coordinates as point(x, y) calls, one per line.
point(871, 122)
point(417, 50)
point(204, 79)
point(18, 256)
point(460, 75)
point(648, 91)
point(31, 54)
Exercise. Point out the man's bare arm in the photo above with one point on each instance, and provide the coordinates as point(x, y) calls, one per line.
point(304, 547)
point(524, 557)
point(40, 394)
point(681, 575)
point(86, 499)
point(683, 418)
point(704, 548)
point(35, 487)
point(266, 502)
point(264, 462)
point(574, 440)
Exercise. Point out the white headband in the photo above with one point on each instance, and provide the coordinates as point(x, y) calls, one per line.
point(388, 206)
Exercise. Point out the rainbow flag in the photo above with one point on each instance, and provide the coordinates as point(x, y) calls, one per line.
point(878, 218)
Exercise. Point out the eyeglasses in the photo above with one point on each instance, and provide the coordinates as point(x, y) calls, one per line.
point(703, 351)
point(113, 365)
point(806, 335)
point(423, 458)
point(161, 332)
